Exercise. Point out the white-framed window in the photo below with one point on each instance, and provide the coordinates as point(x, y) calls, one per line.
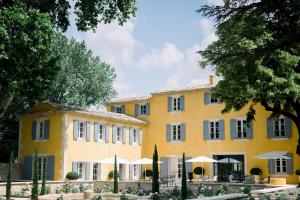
point(101, 131)
point(135, 135)
point(81, 169)
point(81, 129)
point(40, 129)
point(213, 99)
point(143, 109)
point(96, 171)
point(241, 126)
point(279, 127)
point(176, 134)
point(281, 165)
point(176, 103)
point(179, 167)
point(214, 131)
point(42, 163)
point(119, 109)
point(119, 133)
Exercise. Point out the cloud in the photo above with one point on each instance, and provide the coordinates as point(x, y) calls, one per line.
point(215, 2)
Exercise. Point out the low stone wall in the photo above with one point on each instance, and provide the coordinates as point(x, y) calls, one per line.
point(4, 170)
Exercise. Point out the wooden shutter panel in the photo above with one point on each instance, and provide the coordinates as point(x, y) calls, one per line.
point(123, 135)
point(33, 130)
point(188, 166)
point(50, 167)
point(123, 109)
point(74, 167)
point(148, 109)
point(181, 103)
point(130, 171)
point(113, 109)
point(137, 109)
point(169, 104)
point(88, 131)
point(87, 171)
point(96, 131)
point(206, 98)
point(250, 130)
point(114, 132)
point(288, 127)
point(221, 129)
point(140, 136)
point(233, 129)
point(27, 168)
point(106, 133)
point(206, 130)
point(46, 129)
point(270, 127)
point(168, 133)
point(290, 163)
point(164, 166)
point(75, 129)
point(271, 166)
point(182, 131)
point(130, 135)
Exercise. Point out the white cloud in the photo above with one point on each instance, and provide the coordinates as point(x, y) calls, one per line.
point(215, 2)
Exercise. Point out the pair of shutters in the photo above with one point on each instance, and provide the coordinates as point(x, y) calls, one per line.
point(28, 167)
point(138, 109)
point(206, 130)
point(233, 130)
point(46, 129)
point(207, 99)
point(169, 134)
point(139, 170)
point(114, 109)
point(139, 135)
point(289, 165)
point(287, 126)
point(170, 103)
point(105, 132)
point(114, 134)
point(87, 167)
point(164, 166)
point(87, 130)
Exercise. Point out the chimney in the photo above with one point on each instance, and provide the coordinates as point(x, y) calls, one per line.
point(211, 80)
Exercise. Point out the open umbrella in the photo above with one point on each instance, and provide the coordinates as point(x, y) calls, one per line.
point(111, 160)
point(201, 159)
point(144, 161)
point(229, 160)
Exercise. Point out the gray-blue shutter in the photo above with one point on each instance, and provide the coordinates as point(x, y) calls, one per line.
point(182, 131)
point(75, 167)
point(288, 127)
point(271, 166)
point(123, 109)
point(221, 130)
point(140, 136)
point(233, 129)
point(27, 168)
point(270, 127)
point(188, 165)
point(130, 172)
point(113, 109)
point(206, 98)
point(168, 132)
point(137, 109)
point(290, 163)
point(87, 171)
point(250, 130)
point(75, 129)
point(114, 136)
point(164, 167)
point(88, 131)
point(181, 103)
point(130, 135)
point(169, 104)
point(206, 130)
point(50, 168)
point(46, 129)
point(106, 133)
point(123, 135)
point(96, 131)
point(33, 130)
point(147, 108)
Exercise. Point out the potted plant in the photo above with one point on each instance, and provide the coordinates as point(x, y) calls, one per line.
point(111, 175)
point(72, 176)
point(199, 171)
point(256, 173)
point(148, 174)
point(297, 172)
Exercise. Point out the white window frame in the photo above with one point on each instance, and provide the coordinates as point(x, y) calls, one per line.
point(179, 167)
point(143, 109)
point(81, 170)
point(216, 130)
point(42, 164)
point(281, 127)
point(176, 135)
point(135, 135)
point(119, 134)
point(39, 135)
point(81, 134)
point(213, 99)
point(101, 132)
point(243, 128)
point(175, 102)
point(96, 171)
point(281, 168)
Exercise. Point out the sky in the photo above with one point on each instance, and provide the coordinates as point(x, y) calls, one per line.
point(155, 50)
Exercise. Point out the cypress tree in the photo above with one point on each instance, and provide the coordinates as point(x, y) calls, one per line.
point(43, 188)
point(9, 176)
point(155, 184)
point(116, 188)
point(183, 180)
point(35, 183)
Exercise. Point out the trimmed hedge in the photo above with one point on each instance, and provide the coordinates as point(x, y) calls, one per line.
point(256, 171)
point(72, 176)
point(199, 170)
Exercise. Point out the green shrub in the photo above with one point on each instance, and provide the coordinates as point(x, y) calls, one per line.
point(111, 174)
point(148, 173)
point(206, 191)
point(72, 176)
point(256, 171)
point(124, 197)
point(282, 197)
point(297, 172)
point(199, 171)
point(61, 197)
point(246, 190)
point(84, 187)
point(97, 197)
point(265, 197)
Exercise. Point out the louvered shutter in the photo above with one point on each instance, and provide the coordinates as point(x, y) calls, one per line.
point(47, 129)
point(233, 128)
point(168, 133)
point(206, 130)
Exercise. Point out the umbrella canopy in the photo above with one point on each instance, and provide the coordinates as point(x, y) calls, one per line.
point(201, 159)
point(111, 160)
point(144, 161)
point(229, 160)
point(273, 155)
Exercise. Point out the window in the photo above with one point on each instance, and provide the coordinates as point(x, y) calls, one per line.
point(40, 129)
point(214, 130)
point(135, 136)
point(143, 109)
point(81, 130)
point(180, 166)
point(101, 132)
point(119, 109)
point(241, 128)
point(42, 163)
point(96, 171)
point(213, 99)
point(119, 134)
point(80, 170)
point(176, 133)
point(279, 128)
point(176, 103)
point(281, 165)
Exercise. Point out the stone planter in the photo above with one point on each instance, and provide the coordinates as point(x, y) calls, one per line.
point(197, 176)
point(256, 178)
point(113, 196)
point(148, 178)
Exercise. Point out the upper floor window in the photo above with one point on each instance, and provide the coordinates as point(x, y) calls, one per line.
point(101, 131)
point(175, 103)
point(279, 127)
point(176, 133)
point(81, 130)
point(81, 169)
point(213, 99)
point(241, 128)
point(210, 99)
point(214, 130)
point(142, 109)
point(118, 109)
point(281, 165)
point(119, 134)
point(96, 171)
point(40, 129)
point(135, 136)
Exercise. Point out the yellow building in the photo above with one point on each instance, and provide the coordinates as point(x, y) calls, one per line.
point(178, 120)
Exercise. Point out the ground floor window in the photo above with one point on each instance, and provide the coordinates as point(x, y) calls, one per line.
point(96, 171)
point(281, 166)
point(81, 170)
point(42, 163)
point(179, 167)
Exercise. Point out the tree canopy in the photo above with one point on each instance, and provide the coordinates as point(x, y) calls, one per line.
point(257, 54)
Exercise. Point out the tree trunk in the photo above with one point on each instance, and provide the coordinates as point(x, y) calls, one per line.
point(5, 101)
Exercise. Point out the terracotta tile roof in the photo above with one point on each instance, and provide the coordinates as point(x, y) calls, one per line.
point(130, 99)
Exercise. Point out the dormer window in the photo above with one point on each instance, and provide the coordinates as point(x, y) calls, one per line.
point(118, 109)
point(175, 103)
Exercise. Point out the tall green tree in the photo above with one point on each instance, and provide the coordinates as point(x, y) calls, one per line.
point(183, 180)
point(155, 184)
point(35, 179)
point(9, 176)
point(257, 54)
point(116, 176)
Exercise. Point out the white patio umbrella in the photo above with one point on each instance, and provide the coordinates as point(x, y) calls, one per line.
point(229, 160)
point(201, 159)
point(144, 161)
point(111, 160)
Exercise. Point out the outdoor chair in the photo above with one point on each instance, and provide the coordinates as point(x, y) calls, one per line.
point(214, 179)
point(167, 180)
point(265, 180)
point(205, 179)
point(249, 180)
